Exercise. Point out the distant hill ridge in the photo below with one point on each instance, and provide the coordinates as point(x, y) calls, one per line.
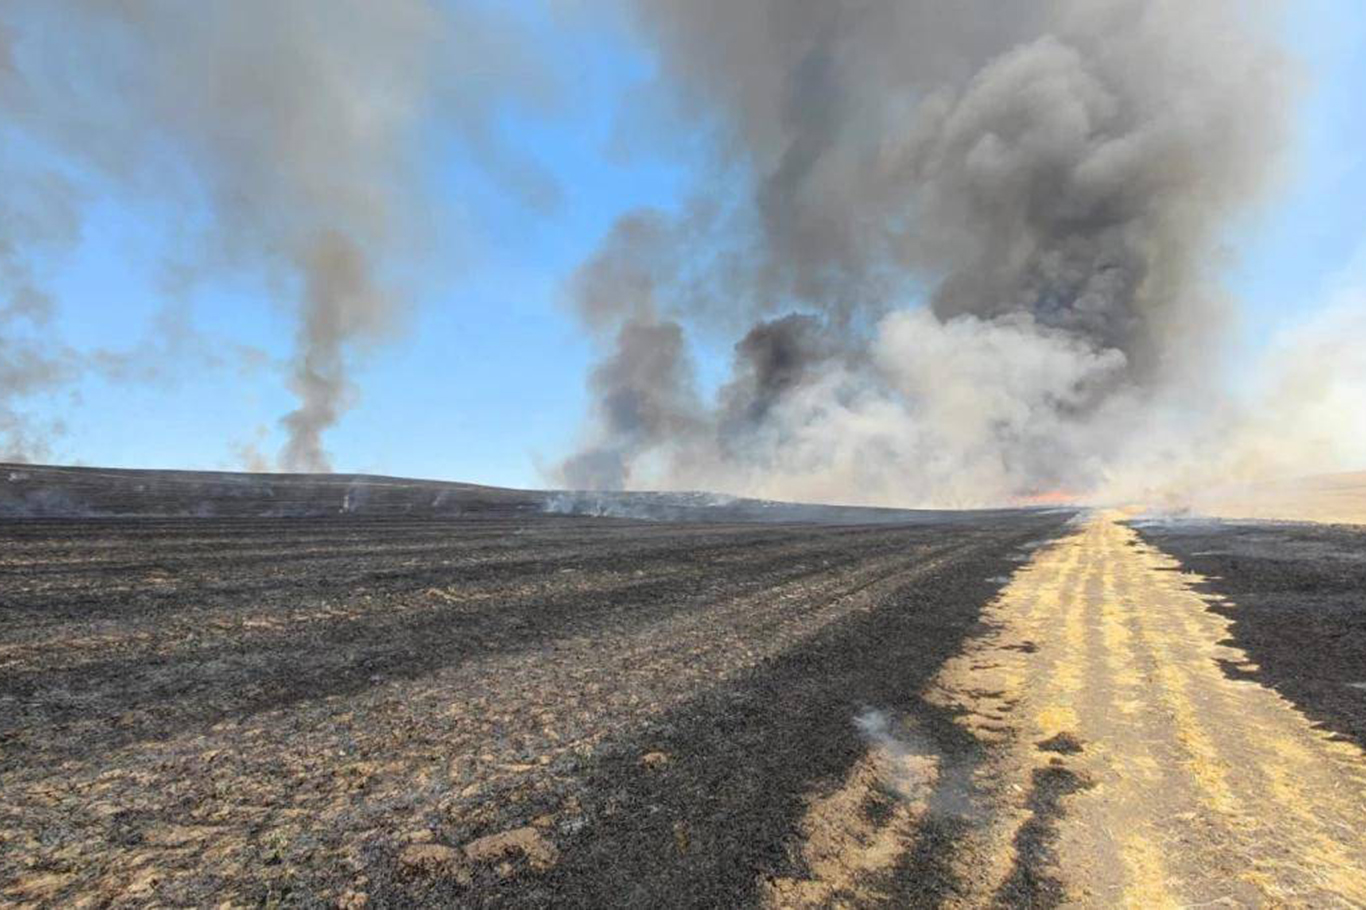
point(54, 491)
point(49, 491)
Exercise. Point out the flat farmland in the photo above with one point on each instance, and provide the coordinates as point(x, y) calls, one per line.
point(501, 709)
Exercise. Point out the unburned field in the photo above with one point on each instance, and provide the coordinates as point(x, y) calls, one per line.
point(526, 709)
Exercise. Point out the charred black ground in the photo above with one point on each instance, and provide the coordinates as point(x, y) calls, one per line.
point(295, 709)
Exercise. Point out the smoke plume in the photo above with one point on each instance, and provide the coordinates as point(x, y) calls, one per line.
point(970, 250)
point(282, 138)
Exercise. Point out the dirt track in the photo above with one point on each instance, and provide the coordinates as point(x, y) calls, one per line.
point(1145, 774)
point(550, 710)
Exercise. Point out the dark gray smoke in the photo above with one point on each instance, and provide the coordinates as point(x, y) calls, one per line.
point(773, 358)
point(643, 392)
point(38, 214)
point(282, 136)
point(990, 233)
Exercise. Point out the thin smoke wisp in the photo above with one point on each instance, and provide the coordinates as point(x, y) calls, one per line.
point(283, 136)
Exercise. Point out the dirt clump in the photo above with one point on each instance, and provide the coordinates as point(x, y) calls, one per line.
point(434, 861)
point(520, 842)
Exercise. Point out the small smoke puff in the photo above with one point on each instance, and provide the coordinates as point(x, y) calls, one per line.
point(908, 763)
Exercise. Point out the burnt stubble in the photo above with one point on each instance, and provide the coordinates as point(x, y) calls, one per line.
point(337, 709)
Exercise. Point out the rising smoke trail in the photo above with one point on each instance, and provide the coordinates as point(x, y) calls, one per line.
point(289, 128)
point(1053, 180)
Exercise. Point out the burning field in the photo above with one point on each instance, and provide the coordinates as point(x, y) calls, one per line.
point(520, 707)
point(954, 268)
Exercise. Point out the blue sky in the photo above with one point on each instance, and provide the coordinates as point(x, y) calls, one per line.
point(485, 380)
point(1293, 251)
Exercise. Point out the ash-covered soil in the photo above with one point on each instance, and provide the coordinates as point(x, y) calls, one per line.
point(1297, 598)
point(513, 709)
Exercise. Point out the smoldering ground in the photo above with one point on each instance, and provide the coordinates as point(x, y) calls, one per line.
point(977, 251)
